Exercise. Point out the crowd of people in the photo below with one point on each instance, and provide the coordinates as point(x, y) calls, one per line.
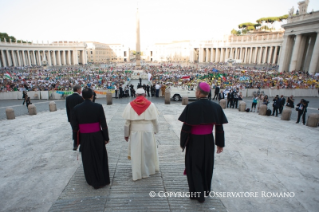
point(238, 76)
point(63, 79)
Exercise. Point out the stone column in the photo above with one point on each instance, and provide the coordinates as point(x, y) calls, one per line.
point(40, 59)
point(255, 54)
point(138, 44)
point(29, 57)
point(285, 54)
point(8, 58)
point(264, 54)
point(83, 58)
point(295, 52)
point(309, 52)
point(59, 58)
point(245, 55)
point(13, 58)
point(23, 58)
point(49, 58)
point(269, 54)
point(282, 54)
point(216, 53)
point(235, 53)
point(275, 55)
point(3, 59)
point(226, 54)
point(221, 59)
point(19, 59)
point(63, 59)
point(69, 57)
point(250, 55)
point(34, 60)
point(75, 57)
point(54, 58)
point(314, 57)
point(259, 55)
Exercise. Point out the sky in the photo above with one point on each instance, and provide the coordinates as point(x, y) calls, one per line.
point(114, 21)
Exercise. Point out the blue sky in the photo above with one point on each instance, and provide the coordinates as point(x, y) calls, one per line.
point(113, 21)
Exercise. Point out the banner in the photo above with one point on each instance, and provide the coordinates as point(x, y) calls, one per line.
point(104, 92)
point(64, 92)
point(244, 78)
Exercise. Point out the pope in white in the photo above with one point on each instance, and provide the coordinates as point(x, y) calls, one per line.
point(140, 128)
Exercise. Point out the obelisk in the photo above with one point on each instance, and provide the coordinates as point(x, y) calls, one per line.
point(138, 48)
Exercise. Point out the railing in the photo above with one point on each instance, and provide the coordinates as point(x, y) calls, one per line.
point(31, 43)
point(303, 17)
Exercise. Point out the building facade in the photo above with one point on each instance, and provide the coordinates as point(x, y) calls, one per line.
point(258, 48)
point(301, 41)
point(52, 54)
point(107, 53)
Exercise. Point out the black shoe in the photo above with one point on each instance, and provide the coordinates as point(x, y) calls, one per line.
point(201, 200)
point(75, 148)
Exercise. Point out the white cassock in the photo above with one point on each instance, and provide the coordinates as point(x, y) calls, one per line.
point(142, 144)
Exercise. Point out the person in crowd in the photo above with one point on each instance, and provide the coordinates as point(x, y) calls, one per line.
point(94, 96)
point(139, 130)
point(199, 119)
point(70, 102)
point(91, 132)
point(229, 98)
point(153, 90)
point(116, 90)
point(290, 102)
point(144, 87)
point(121, 91)
point(235, 95)
point(131, 89)
point(148, 90)
point(240, 96)
point(302, 110)
point(157, 88)
point(260, 101)
point(265, 100)
point(282, 103)
point(28, 101)
point(276, 105)
point(163, 87)
point(254, 103)
point(24, 94)
point(217, 88)
point(221, 95)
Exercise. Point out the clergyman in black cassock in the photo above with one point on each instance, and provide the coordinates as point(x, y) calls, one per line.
point(198, 119)
point(90, 130)
point(70, 102)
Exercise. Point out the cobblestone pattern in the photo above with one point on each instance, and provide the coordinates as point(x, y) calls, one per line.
point(123, 194)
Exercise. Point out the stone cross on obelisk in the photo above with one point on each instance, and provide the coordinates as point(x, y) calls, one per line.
point(138, 48)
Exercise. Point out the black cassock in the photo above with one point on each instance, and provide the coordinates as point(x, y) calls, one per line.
point(200, 149)
point(89, 126)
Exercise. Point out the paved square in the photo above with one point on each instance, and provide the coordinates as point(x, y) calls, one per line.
point(40, 172)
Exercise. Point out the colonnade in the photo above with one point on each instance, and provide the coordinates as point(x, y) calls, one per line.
point(300, 52)
point(27, 57)
point(248, 54)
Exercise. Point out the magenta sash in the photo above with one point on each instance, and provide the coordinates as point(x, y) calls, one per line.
point(89, 128)
point(202, 129)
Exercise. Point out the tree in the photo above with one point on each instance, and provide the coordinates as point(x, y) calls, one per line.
point(7, 38)
point(234, 32)
point(250, 28)
point(272, 19)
